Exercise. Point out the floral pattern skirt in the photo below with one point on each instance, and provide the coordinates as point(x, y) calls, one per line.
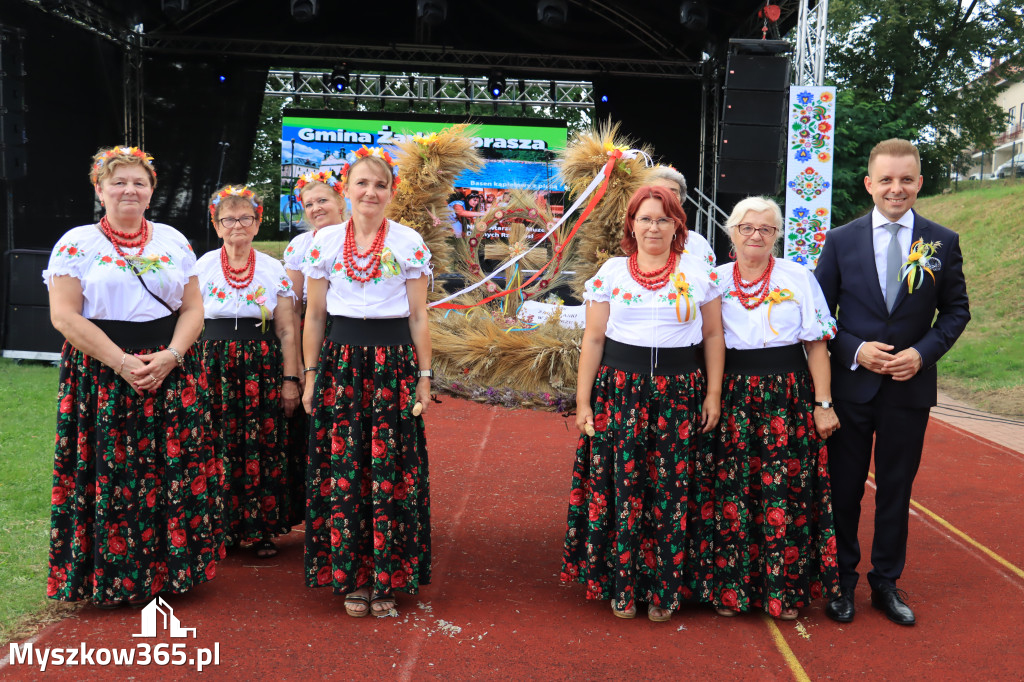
point(135, 506)
point(250, 436)
point(773, 535)
point(367, 489)
point(633, 498)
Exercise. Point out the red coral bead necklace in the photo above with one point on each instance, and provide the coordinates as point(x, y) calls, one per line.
point(351, 256)
point(128, 240)
point(238, 278)
point(655, 279)
point(752, 299)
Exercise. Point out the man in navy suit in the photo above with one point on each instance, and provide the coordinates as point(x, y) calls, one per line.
point(883, 364)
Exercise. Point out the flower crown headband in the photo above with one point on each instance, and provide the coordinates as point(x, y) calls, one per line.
point(326, 177)
point(379, 152)
point(240, 192)
point(115, 152)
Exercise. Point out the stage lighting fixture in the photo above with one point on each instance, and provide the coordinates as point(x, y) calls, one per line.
point(553, 13)
point(496, 84)
point(305, 10)
point(693, 16)
point(432, 12)
point(604, 99)
point(338, 82)
point(173, 8)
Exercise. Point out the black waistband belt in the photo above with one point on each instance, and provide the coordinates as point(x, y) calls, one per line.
point(242, 329)
point(759, 361)
point(639, 359)
point(151, 334)
point(384, 331)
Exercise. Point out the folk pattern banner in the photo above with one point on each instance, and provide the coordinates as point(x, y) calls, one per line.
point(809, 171)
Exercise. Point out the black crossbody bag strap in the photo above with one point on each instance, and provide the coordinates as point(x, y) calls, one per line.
point(143, 283)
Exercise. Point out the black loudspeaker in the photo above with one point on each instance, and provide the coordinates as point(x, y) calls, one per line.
point(737, 176)
point(25, 277)
point(752, 143)
point(753, 121)
point(756, 72)
point(755, 107)
point(29, 332)
point(27, 328)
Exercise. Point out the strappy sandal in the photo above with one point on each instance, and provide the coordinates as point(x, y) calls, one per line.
point(377, 608)
point(725, 613)
point(663, 618)
point(623, 613)
point(789, 614)
point(352, 600)
point(265, 549)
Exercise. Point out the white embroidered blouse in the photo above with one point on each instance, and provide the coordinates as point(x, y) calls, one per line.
point(698, 246)
point(641, 317)
point(294, 256)
point(223, 301)
point(110, 290)
point(794, 311)
point(403, 257)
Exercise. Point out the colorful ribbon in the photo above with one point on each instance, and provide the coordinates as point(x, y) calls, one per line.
point(913, 270)
point(682, 292)
point(778, 296)
point(600, 182)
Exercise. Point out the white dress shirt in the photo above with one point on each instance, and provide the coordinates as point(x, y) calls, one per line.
point(880, 239)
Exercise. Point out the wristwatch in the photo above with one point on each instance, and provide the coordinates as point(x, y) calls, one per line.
point(429, 373)
point(827, 404)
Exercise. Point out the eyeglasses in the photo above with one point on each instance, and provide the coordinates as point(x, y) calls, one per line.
point(244, 221)
point(648, 223)
point(746, 229)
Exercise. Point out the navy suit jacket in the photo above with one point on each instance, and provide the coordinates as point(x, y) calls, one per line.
point(849, 279)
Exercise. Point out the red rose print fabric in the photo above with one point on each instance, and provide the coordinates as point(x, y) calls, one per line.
point(368, 492)
point(250, 437)
point(633, 500)
point(772, 530)
point(135, 507)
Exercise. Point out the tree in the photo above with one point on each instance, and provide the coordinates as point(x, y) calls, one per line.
point(918, 69)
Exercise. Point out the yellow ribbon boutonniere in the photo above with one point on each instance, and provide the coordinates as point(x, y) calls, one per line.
point(682, 292)
point(920, 261)
point(260, 299)
point(778, 296)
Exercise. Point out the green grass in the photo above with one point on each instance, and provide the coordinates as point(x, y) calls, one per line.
point(275, 249)
point(986, 366)
point(28, 394)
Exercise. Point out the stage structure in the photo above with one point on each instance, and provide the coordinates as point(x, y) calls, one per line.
point(184, 79)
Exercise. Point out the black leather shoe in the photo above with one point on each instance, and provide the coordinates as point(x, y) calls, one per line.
point(841, 608)
point(892, 601)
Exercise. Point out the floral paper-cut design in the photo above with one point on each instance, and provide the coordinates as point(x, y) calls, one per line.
point(809, 172)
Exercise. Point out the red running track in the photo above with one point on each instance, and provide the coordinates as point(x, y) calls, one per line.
point(496, 609)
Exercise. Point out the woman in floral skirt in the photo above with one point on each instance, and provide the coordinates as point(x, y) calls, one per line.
point(251, 358)
point(368, 497)
point(322, 198)
point(772, 531)
point(135, 476)
point(646, 403)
